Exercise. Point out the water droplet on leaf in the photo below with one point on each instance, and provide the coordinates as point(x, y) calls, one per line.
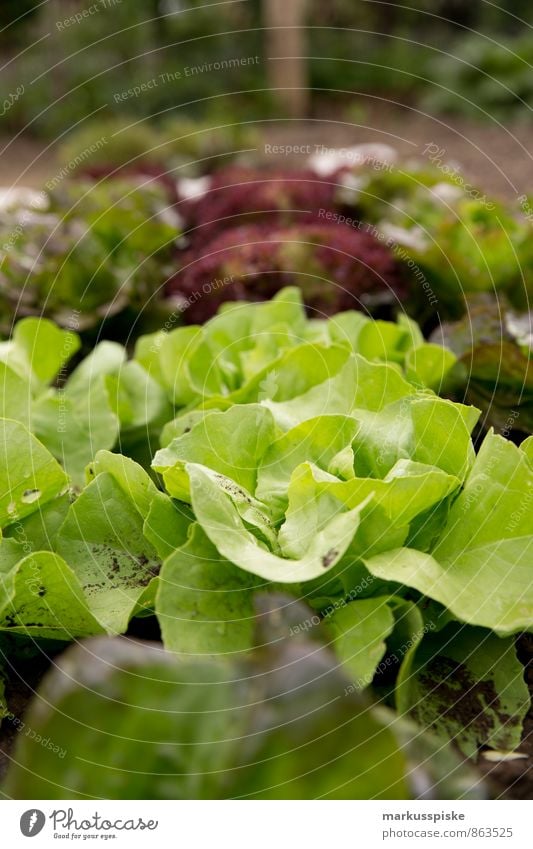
point(30, 495)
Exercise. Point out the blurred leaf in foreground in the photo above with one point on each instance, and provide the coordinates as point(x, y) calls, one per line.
point(136, 722)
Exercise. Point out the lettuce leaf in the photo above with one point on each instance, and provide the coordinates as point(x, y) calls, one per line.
point(480, 567)
point(359, 384)
point(41, 597)
point(325, 441)
point(427, 430)
point(16, 395)
point(102, 539)
point(75, 426)
point(38, 350)
point(231, 443)
point(467, 685)
point(204, 603)
point(358, 631)
point(29, 475)
point(220, 518)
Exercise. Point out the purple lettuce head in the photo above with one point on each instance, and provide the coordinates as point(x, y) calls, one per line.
point(235, 196)
point(337, 267)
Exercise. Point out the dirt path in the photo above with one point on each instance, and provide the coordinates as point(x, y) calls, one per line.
point(499, 158)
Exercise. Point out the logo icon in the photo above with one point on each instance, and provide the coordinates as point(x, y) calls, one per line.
point(32, 822)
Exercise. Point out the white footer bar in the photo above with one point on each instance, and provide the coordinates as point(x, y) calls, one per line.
point(267, 825)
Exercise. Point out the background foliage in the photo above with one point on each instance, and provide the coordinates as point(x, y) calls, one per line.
point(364, 47)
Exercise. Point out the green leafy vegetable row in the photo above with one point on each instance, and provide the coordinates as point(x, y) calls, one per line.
point(456, 240)
point(87, 253)
point(267, 450)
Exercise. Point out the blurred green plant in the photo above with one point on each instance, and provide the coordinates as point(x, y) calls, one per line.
point(282, 724)
point(484, 77)
point(99, 250)
point(455, 239)
point(170, 55)
point(494, 371)
point(15, 17)
point(178, 147)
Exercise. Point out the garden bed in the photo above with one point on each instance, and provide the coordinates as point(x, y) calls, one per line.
point(308, 484)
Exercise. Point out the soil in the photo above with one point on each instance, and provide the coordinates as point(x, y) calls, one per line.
point(20, 688)
point(491, 154)
point(514, 779)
